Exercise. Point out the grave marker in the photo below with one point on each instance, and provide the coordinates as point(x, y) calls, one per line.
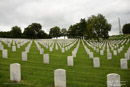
point(60, 78)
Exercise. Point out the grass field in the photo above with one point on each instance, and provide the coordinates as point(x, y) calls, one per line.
point(37, 74)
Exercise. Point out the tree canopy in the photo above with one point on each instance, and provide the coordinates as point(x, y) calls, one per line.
point(95, 27)
point(98, 27)
point(126, 29)
point(16, 32)
point(63, 32)
point(34, 31)
point(55, 32)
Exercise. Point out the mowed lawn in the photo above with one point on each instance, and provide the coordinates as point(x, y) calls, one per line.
point(34, 73)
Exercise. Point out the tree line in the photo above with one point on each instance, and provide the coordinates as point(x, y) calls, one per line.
point(95, 27)
point(33, 31)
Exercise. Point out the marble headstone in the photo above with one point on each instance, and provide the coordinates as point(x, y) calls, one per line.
point(24, 56)
point(60, 78)
point(13, 48)
point(46, 58)
point(70, 60)
point(15, 72)
point(96, 62)
point(113, 80)
point(123, 64)
point(5, 53)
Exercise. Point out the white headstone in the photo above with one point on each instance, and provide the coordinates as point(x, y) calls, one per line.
point(56, 47)
point(1, 47)
point(27, 49)
point(96, 62)
point(41, 51)
point(9, 45)
point(114, 52)
point(119, 50)
point(15, 72)
point(21, 44)
point(51, 49)
point(113, 80)
point(123, 64)
point(97, 50)
point(90, 54)
point(13, 48)
point(5, 53)
point(127, 55)
point(66, 48)
point(46, 58)
point(108, 50)
point(62, 50)
point(70, 60)
point(13, 42)
point(101, 52)
point(73, 53)
point(60, 78)
point(112, 48)
point(24, 56)
point(109, 56)
point(18, 45)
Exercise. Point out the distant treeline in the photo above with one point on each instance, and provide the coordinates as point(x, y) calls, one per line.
point(94, 27)
point(33, 31)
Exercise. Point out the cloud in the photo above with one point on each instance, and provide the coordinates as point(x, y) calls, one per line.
point(60, 13)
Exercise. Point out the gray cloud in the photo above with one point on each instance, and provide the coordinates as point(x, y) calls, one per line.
point(61, 13)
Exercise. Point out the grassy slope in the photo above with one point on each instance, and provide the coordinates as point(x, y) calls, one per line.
point(82, 74)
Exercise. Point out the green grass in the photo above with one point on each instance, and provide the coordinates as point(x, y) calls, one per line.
point(117, 37)
point(37, 74)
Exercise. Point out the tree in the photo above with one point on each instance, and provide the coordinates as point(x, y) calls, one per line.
point(82, 28)
point(5, 34)
point(94, 28)
point(16, 32)
point(29, 33)
point(98, 27)
point(72, 31)
point(63, 32)
point(36, 27)
point(126, 29)
point(54, 32)
point(32, 30)
point(42, 34)
point(78, 30)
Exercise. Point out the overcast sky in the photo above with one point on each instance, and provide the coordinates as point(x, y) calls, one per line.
point(62, 13)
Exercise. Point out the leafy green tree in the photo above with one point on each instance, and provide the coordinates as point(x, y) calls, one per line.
point(5, 34)
point(16, 32)
point(95, 27)
point(32, 30)
point(126, 29)
point(29, 33)
point(54, 32)
point(63, 32)
point(98, 27)
point(42, 34)
point(72, 31)
point(82, 28)
point(36, 27)
point(78, 30)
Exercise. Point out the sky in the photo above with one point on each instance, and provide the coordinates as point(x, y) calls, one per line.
point(62, 13)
